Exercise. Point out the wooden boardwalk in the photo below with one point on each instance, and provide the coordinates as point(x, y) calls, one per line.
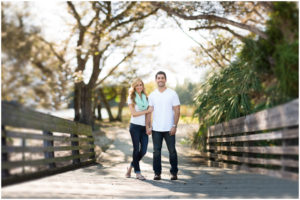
point(106, 179)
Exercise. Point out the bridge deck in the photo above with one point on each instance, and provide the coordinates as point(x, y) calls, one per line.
point(106, 180)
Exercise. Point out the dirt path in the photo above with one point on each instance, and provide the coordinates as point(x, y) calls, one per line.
point(106, 179)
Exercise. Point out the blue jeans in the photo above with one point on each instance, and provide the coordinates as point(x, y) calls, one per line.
point(157, 138)
point(140, 143)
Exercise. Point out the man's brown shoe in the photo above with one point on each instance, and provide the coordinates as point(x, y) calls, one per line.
point(157, 177)
point(174, 177)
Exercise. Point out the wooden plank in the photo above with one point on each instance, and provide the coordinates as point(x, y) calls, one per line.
point(281, 116)
point(285, 115)
point(290, 150)
point(263, 161)
point(274, 135)
point(14, 164)
point(215, 130)
point(44, 137)
point(18, 149)
point(17, 116)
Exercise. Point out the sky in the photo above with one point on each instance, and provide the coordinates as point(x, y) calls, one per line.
point(172, 55)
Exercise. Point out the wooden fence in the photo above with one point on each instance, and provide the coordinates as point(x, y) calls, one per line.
point(265, 142)
point(35, 144)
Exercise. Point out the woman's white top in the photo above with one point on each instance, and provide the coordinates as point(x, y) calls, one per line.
point(163, 114)
point(139, 120)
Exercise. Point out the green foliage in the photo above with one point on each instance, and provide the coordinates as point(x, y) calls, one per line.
point(225, 95)
point(283, 34)
point(186, 92)
point(286, 69)
point(264, 74)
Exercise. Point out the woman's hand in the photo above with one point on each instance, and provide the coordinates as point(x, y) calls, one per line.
point(150, 109)
point(148, 130)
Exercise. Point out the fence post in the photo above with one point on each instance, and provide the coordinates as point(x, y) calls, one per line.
point(49, 143)
point(245, 155)
point(75, 152)
point(206, 144)
point(5, 172)
point(23, 143)
point(282, 157)
point(92, 149)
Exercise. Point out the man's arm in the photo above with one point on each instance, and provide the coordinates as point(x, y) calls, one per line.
point(148, 122)
point(176, 119)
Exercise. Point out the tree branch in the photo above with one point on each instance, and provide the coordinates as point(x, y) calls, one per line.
point(75, 13)
point(240, 37)
point(203, 48)
point(59, 57)
point(122, 14)
point(219, 51)
point(116, 66)
point(223, 20)
point(133, 19)
point(40, 65)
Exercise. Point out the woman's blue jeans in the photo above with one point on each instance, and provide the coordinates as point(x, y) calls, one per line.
point(140, 143)
point(157, 138)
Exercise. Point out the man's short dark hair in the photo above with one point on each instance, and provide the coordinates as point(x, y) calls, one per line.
point(161, 72)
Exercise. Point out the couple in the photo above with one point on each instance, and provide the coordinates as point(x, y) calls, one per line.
point(165, 105)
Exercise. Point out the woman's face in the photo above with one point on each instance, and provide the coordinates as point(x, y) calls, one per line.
point(139, 87)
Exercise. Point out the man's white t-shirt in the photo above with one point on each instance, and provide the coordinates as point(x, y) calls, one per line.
point(139, 120)
point(163, 114)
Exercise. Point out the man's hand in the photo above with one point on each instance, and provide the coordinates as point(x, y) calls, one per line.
point(173, 131)
point(149, 131)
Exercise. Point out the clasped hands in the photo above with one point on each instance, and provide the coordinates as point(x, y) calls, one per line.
point(149, 130)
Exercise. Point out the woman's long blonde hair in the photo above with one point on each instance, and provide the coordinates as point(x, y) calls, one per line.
point(132, 89)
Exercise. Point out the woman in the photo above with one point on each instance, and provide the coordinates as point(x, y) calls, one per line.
point(138, 106)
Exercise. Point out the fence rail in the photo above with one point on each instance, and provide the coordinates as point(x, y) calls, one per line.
point(35, 144)
point(265, 142)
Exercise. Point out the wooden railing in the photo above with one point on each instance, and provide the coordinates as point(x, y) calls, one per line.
point(35, 144)
point(265, 142)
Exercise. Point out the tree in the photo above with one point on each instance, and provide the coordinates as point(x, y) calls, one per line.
point(106, 26)
point(263, 75)
point(186, 92)
point(222, 27)
point(213, 15)
point(34, 71)
point(115, 89)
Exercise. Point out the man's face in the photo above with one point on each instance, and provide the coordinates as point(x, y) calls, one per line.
point(160, 80)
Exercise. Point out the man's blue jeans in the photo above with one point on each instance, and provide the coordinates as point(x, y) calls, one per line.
point(157, 138)
point(140, 143)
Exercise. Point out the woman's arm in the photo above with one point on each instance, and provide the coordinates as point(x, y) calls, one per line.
point(135, 113)
point(148, 122)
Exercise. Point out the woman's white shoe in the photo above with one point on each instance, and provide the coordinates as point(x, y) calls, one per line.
point(140, 177)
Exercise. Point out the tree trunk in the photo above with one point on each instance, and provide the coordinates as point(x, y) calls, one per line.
point(86, 105)
point(122, 103)
point(106, 105)
point(77, 101)
point(99, 107)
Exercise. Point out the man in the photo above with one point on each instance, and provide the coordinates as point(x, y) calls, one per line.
point(166, 105)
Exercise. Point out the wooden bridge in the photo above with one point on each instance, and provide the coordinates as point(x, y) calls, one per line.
point(212, 174)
